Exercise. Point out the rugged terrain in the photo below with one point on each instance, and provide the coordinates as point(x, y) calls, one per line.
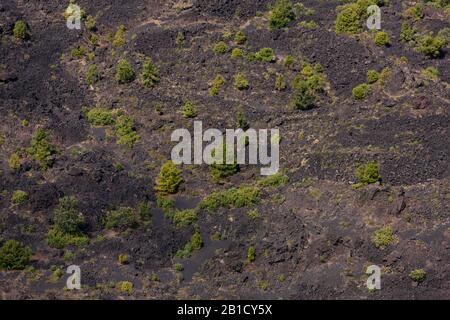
point(313, 236)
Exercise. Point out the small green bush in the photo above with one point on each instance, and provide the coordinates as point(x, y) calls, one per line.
point(431, 46)
point(125, 287)
point(418, 275)
point(184, 218)
point(241, 82)
point(232, 198)
point(251, 254)
point(237, 53)
point(92, 75)
point(14, 162)
point(19, 197)
point(281, 14)
point(14, 255)
point(58, 239)
point(407, 33)
point(220, 48)
point(41, 149)
point(430, 73)
point(265, 55)
point(67, 218)
point(223, 170)
point(368, 173)
point(348, 20)
point(100, 117)
point(415, 13)
point(361, 91)
point(280, 83)
point(382, 39)
point(125, 131)
point(240, 37)
point(372, 76)
point(217, 83)
point(169, 179)
point(275, 180)
point(91, 23)
point(302, 97)
point(78, 52)
point(383, 237)
point(189, 110)
point(119, 37)
point(308, 24)
point(123, 258)
point(149, 74)
point(20, 30)
point(124, 72)
point(121, 219)
point(197, 241)
point(180, 38)
point(289, 61)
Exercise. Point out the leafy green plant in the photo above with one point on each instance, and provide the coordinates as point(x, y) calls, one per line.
point(19, 197)
point(372, 76)
point(125, 287)
point(361, 91)
point(41, 149)
point(20, 30)
point(302, 97)
point(407, 33)
point(58, 239)
point(124, 258)
point(368, 173)
point(265, 55)
point(241, 82)
point(92, 75)
point(431, 46)
point(232, 198)
point(91, 23)
point(184, 218)
point(281, 14)
point(240, 37)
point(382, 39)
point(220, 48)
point(119, 37)
point(251, 254)
point(350, 16)
point(14, 162)
point(121, 219)
point(418, 275)
point(237, 53)
point(430, 73)
point(383, 237)
point(280, 83)
point(189, 110)
point(217, 83)
point(78, 52)
point(149, 74)
point(14, 255)
point(125, 131)
point(124, 72)
point(169, 179)
point(67, 218)
point(100, 117)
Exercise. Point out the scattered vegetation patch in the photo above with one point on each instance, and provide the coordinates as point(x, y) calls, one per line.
point(124, 72)
point(431, 46)
point(150, 73)
point(382, 39)
point(372, 76)
point(220, 48)
point(14, 255)
point(237, 53)
point(92, 75)
point(418, 275)
point(125, 131)
point(430, 73)
point(368, 173)
point(383, 237)
point(251, 254)
point(241, 82)
point(350, 16)
point(184, 218)
point(122, 219)
point(223, 170)
point(100, 117)
point(276, 180)
point(67, 218)
point(41, 149)
point(281, 14)
point(125, 287)
point(232, 198)
point(217, 83)
point(169, 179)
point(78, 52)
point(196, 243)
point(119, 37)
point(189, 110)
point(20, 30)
point(240, 37)
point(265, 55)
point(14, 162)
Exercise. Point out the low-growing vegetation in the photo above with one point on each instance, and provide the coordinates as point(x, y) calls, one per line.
point(14, 255)
point(169, 179)
point(42, 149)
point(232, 198)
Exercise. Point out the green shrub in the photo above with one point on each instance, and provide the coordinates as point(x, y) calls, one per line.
point(223, 170)
point(19, 197)
point(124, 72)
point(265, 55)
point(281, 14)
point(125, 287)
point(189, 110)
point(124, 258)
point(20, 30)
point(180, 38)
point(415, 13)
point(14, 255)
point(119, 37)
point(144, 210)
point(91, 23)
point(121, 219)
point(169, 179)
point(14, 162)
point(430, 73)
point(149, 74)
point(302, 97)
point(407, 33)
point(220, 48)
point(41, 149)
point(184, 218)
point(197, 241)
point(361, 91)
point(348, 20)
point(240, 37)
point(251, 254)
point(67, 218)
point(58, 239)
point(218, 82)
point(308, 24)
point(241, 82)
point(445, 34)
point(232, 198)
point(372, 76)
point(368, 173)
point(100, 117)
point(383, 237)
point(92, 75)
point(418, 275)
point(237, 53)
point(280, 83)
point(125, 131)
point(382, 39)
point(289, 61)
point(275, 180)
point(78, 52)
point(431, 46)
point(253, 214)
